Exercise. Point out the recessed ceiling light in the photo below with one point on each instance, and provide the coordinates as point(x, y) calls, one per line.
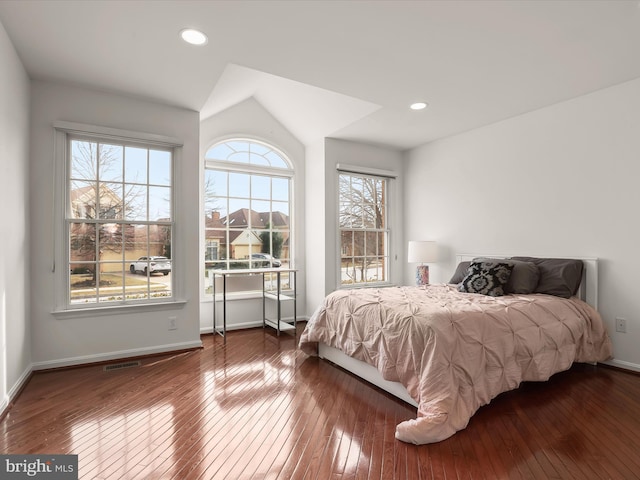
point(194, 37)
point(418, 106)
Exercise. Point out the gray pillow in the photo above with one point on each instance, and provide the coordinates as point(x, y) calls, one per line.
point(558, 276)
point(487, 278)
point(524, 277)
point(460, 273)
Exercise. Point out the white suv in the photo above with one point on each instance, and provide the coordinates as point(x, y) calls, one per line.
point(264, 260)
point(151, 265)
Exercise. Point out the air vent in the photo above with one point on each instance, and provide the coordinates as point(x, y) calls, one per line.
point(118, 366)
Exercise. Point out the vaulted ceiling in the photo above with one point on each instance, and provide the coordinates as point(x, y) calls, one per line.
point(345, 69)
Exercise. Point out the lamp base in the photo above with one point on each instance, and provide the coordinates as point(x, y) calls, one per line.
point(422, 275)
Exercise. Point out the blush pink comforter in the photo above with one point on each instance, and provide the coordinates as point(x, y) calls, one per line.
point(455, 351)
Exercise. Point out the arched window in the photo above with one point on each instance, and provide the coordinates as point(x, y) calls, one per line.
point(247, 152)
point(247, 206)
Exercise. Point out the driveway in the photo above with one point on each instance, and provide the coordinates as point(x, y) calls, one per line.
point(155, 278)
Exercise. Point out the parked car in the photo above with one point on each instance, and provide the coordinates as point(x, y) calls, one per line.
point(264, 260)
point(152, 265)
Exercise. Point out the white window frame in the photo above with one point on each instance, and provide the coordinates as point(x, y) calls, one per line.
point(388, 177)
point(246, 286)
point(64, 132)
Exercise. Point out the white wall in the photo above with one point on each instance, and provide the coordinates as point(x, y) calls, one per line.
point(319, 283)
point(60, 340)
point(249, 119)
point(15, 341)
point(560, 181)
point(322, 188)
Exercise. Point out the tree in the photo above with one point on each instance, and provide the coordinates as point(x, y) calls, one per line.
point(271, 242)
point(211, 201)
point(362, 217)
point(94, 203)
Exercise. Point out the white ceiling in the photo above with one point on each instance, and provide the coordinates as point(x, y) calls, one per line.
point(345, 69)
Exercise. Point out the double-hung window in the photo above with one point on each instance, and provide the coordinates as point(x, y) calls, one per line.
point(364, 231)
point(118, 229)
point(247, 209)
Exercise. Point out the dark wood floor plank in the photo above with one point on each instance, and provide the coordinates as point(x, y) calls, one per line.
point(270, 446)
point(266, 421)
point(560, 418)
point(359, 457)
point(593, 438)
point(347, 453)
point(217, 456)
point(377, 445)
point(606, 427)
point(388, 446)
point(492, 465)
point(255, 407)
point(309, 440)
point(321, 464)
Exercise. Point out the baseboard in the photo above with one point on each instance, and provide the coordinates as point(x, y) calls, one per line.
point(105, 357)
point(13, 393)
point(241, 326)
point(234, 326)
point(622, 364)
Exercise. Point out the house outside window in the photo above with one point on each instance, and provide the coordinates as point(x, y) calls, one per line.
point(118, 221)
point(364, 232)
point(247, 208)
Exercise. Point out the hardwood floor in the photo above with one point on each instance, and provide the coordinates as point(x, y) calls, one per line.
point(257, 408)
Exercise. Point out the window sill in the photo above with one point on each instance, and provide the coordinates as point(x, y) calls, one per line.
point(367, 285)
point(115, 309)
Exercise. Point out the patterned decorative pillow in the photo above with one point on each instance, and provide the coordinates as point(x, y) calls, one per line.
point(487, 278)
point(524, 277)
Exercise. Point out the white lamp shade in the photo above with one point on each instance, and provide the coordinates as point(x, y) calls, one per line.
point(422, 252)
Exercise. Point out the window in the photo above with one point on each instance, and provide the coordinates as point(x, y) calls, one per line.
point(364, 229)
point(119, 221)
point(247, 207)
point(211, 250)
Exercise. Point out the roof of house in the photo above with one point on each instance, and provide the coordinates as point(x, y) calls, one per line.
point(240, 219)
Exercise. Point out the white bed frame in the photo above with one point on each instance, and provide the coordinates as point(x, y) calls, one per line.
point(588, 292)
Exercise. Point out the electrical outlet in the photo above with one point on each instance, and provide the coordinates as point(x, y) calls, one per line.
point(173, 323)
point(621, 325)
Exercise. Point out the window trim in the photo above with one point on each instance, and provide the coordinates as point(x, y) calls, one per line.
point(369, 171)
point(64, 133)
point(388, 176)
point(150, 306)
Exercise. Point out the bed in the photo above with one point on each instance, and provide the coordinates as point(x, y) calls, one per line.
point(448, 352)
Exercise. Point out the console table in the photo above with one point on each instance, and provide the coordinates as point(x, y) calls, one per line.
point(271, 290)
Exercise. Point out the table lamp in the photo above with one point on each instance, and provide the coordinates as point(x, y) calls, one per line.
point(422, 252)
